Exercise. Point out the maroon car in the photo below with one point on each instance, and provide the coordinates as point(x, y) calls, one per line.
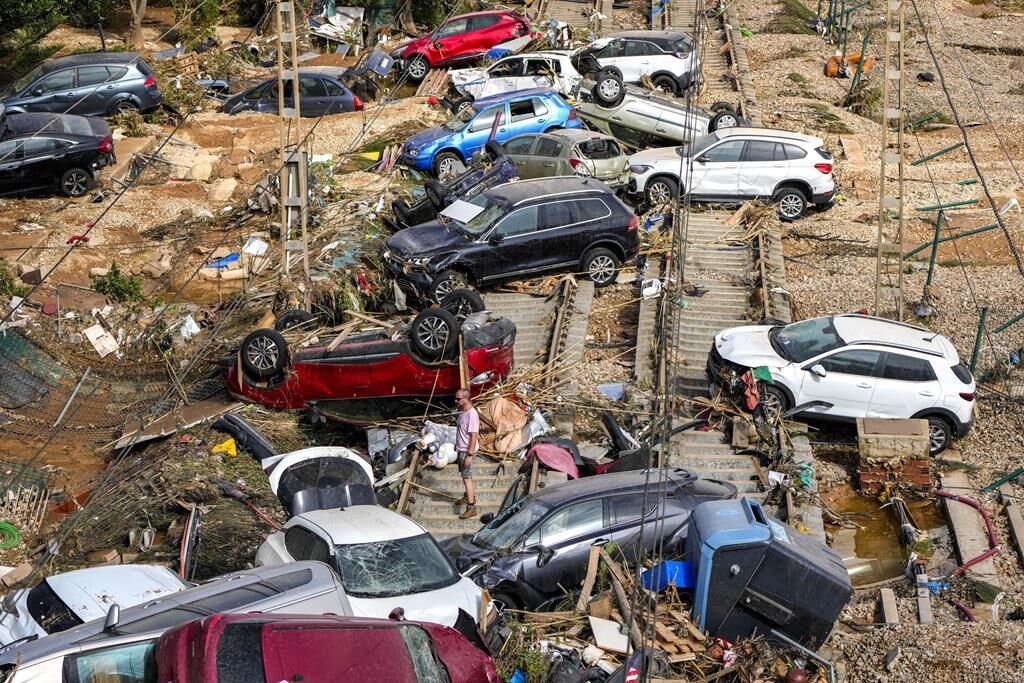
point(360, 378)
point(258, 648)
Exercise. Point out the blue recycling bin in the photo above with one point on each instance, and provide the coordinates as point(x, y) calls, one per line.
point(668, 573)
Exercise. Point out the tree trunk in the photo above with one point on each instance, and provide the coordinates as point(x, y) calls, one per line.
point(138, 9)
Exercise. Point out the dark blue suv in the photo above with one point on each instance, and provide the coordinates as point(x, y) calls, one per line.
point(440, 149)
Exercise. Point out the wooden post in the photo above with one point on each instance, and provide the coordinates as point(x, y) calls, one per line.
point(403, 499)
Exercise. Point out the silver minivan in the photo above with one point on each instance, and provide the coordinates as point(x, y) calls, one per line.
point(122, 647)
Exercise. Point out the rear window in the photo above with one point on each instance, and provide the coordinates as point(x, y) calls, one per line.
point(907, 368)
point(590, 210)
point(823, 153)
point(240, 653)
point(599, 149)
point(682, 45)
point(962, 373)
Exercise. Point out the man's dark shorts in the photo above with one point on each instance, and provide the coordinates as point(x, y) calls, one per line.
point(465, 465)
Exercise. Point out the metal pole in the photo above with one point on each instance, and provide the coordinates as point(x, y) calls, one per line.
point(303, 197)
point(283, 132)
point(73, 394)
point(935, 251)
point(978, 338)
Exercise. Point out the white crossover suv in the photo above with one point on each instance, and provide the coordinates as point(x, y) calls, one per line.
point(666, 57)
point(849, 366)
point(733, 165)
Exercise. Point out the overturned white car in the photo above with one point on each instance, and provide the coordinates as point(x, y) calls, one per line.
point(549, 69)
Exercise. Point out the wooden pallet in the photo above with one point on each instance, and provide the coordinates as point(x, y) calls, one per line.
point(187, 65)
point(435, 83)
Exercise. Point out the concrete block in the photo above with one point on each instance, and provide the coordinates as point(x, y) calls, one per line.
point(221, 190)
point(890, 614)
point(16, 574)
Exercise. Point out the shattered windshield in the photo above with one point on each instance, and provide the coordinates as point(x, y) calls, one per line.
point(459, 121)
point(511, 523)
point(402, 566)
point(805, 339)
point(480, 223)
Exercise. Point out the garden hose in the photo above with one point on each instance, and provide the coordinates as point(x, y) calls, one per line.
point(9, 536)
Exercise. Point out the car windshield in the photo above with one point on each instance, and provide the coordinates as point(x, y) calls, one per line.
point(459, 121)
point(510, 524)
point(402, 566)
point(805, 339)
point(700, 144)
point(482, 222)
point(49, 611)
point(22, 82)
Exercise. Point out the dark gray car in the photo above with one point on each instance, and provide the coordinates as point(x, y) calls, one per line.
point(531, 551)
point(93, 84)
point(319, 94)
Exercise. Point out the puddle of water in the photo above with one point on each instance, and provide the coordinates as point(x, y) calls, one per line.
point(874, 552)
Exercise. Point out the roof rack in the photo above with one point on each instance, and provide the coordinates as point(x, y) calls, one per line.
point(893, 345)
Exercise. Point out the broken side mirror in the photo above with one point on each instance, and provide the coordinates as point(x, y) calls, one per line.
point(818, 369)
point(544, 555)
point(113, 616)
point(487, 518)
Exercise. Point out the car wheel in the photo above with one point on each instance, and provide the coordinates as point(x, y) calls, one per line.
point(436, 193)
point(403, 214)
point(264, 354)
point(665, 83)
point(444, 165)
point(726, 118)
point(939, 435)
point(462, 302)
point(495, 150)
point(293, 318)
point(773, 402)
point(434, 333)
point(608, 89)
point(661, 191)
point(446, 283)
point(505, 601)
point(461, 103)
point(792, 203)
point(601, 266)
point(75, 182)
point(418, 68)
point(122, 106)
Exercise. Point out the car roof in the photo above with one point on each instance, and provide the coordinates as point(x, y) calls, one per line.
point(90, 592)
point(611, 483)
point(769, 133)
point(521, 190)
point(363, 524)
point(666, 35)
point(579, 135)
point(542, 54)
point(89, 58)
point(484, 102)
point(53, 124)
point(481, 13)
point(865, 329)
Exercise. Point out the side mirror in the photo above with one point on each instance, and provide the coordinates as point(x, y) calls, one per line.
point(437, 44)
point(397, 614)
point(818, 369)
point(703, 158)
point(544, 555)
point(487, 518)
point(36, 92)
point(113, 616)
point(495, 239)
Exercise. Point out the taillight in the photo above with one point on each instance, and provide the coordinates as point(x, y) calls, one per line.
point(572, 115)
point(579, 167)
point(150, 81)
point(634, 223)
point(824, 168)
point(106, 145)
point(357, 104)
point(967, 395)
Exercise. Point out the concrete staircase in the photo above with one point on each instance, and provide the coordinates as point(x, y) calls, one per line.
point(440, 516)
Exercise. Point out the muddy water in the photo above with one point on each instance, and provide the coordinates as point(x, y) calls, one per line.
point(873, 552)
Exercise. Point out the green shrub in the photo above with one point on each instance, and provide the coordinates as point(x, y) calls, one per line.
point(118, 286)
point(10, 285)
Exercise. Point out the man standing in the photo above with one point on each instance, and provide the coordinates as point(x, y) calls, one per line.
point(466, 442)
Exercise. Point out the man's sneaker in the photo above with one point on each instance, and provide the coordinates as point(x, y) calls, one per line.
point(469, 513)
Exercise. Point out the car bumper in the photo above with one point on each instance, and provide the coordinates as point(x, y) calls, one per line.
point(420, 163)
point(961, 429)
point(823, 200)
point(415, 282)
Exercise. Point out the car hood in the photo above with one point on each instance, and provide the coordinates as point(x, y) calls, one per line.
point(421, 240)
point(463, 552)
point(748, 346)
point(439, 607)
point(654, 155)
point(461, 77)
point(425, 137)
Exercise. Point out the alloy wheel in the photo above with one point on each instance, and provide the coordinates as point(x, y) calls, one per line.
point(263, 353)
point(76, 183)
point(791, 206)
point(602, 269)
point(936, 438)
point(433, 333)
point(610, 89)
point(727, 121)
point(417, 68)
point(771, 405)
point(445, 169)
point(659, 192)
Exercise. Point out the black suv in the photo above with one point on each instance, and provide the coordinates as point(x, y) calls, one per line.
point(514, 230)
point(42, 151)
point(527, 553)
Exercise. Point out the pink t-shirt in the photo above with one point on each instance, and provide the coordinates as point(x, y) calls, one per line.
point(469, 423)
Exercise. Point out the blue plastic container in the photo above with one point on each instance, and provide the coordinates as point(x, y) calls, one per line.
point(668, 573)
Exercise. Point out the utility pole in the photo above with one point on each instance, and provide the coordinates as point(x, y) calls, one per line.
point(889, 264)
point(293, 183)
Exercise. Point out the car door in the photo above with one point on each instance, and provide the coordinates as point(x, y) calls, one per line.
point(762, 165)
point(450, 40)
point(906, 385)
point(558, 235)
point(525, 116)
point(54, 92)
point(546, 158)
point(506, 75)
point(40, 166)
point(716, 171)
point(312, 96)
point(848, 384)
point(568, 533)
point(625, 521)
point(95, 90)
point(512, 248)
point(539, 73)
point(10, 163)
point(481, 34)
point(476, 134)
point(338, 98)
point(518, 150)
point(612, 54)
point(636, 62)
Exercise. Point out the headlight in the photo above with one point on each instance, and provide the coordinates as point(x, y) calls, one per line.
point(412, 151)
point(420, 261)
point(640, 168)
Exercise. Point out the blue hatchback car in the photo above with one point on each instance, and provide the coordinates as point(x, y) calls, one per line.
point(442, 148)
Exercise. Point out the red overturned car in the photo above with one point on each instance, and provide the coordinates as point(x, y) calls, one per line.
point(259, 648)
point(459, 40)
point(360, 378)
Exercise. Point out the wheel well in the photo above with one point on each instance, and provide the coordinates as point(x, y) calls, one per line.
point(613, 247)
point(453, 150)
point(419, 54)
point(946, 417)
point(659, 74)
point(462, 270)
point(548, 130)
point(659, 176)
point(795, 184)
point(790, 399)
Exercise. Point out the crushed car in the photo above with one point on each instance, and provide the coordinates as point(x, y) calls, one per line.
point(570, 152)
point(549, 69)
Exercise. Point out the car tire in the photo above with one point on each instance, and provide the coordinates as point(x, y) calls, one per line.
point(122, 106)
point(293, 318)
point(792, 203)
point(444, 165)
point(264, 354)
point(460, 103)
point(434, 333)
point(601, 266)
point(75, 182)
point(726, 118)
point(720, 105)
point(446, 282)
point(417, 68)
point(495, 150)
point(666, 83)
point(608, 89)
point(774, 402)
point(436, 193)
point(462, 302)
point(402, 211)
point(505, 601)
point(940, 435)
point(661, 190)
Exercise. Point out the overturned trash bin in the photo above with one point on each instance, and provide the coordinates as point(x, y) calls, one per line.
point(757, 575)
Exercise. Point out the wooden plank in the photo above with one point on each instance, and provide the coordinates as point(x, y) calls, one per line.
point(615, 569)
point(591, 577)
point(414, 465)
point(1012, 509)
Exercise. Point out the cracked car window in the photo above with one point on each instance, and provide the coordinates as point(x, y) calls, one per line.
point(400, 566)
point(428, 670)
point(506, 528)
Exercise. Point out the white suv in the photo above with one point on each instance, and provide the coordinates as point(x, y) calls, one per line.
point(666, 57)
point(850, 366)
point(549, 69)
point(733, 165)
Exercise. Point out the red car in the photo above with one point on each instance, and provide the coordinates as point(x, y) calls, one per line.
point(360, 378)
point(460, 39)
point(257, 648)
